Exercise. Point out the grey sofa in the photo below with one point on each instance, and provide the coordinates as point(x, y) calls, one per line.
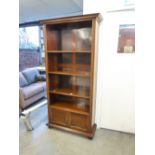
point(32, 87)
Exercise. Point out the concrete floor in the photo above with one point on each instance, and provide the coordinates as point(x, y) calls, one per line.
point(44, 141)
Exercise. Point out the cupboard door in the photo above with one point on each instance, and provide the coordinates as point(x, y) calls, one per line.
point(59, 117)
point(79, 121)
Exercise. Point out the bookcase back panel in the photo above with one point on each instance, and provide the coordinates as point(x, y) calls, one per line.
point(70, 84)
point(69, 62)
point(69, 99)
point(70, 36)
point(67, 103)
point(53, 40)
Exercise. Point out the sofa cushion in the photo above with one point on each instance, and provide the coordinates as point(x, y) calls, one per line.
point(22, 81)
point(31, 74)
point(32, 90)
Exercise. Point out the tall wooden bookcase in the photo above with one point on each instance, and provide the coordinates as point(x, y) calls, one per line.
point(71, 52)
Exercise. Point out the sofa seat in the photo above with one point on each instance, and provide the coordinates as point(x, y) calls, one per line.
point(33, 89)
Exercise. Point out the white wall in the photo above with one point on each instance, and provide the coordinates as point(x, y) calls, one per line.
point(115, 88)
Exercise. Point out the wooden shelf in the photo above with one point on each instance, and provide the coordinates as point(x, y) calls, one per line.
point(69, 92)
point(71, 107)
point(83, 74)
point(67, 51)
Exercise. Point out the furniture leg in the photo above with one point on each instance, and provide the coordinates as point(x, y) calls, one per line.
point(27, 122)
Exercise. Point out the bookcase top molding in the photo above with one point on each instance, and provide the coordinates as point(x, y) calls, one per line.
point(68, 19)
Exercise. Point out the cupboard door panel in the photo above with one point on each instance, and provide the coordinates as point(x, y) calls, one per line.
point(59, 117)
point(79, 121)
